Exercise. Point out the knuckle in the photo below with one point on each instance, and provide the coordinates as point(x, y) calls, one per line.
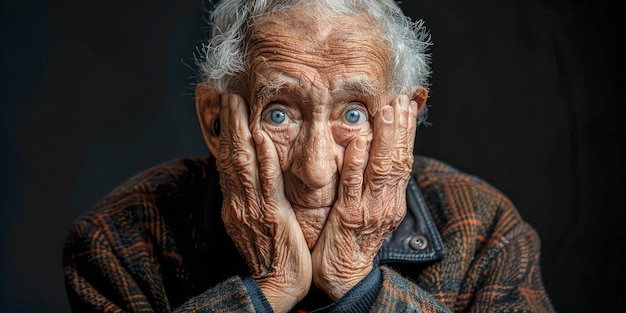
point(402, 160)
point(380, 165)
point(356, 163)
point(224, 153)
point(353, 180)
point(240, 158)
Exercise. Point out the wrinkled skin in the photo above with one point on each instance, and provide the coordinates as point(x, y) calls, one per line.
point(315, 155)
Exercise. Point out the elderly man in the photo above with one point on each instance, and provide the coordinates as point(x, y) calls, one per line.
point(312, 198)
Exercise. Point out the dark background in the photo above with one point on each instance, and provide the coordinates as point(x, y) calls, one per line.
point(526, 94)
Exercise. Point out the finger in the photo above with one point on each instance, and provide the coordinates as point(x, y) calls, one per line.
point(412, 129)
point(270, 174)
point(400, 157)
point(402, 153)
point(401, 109)
point(243, 151)
point(225, 151)
point(379, 164)
point(351, 185)
point(241, 139)
point(355, 161)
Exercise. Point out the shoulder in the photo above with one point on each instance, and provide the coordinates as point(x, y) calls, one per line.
point(167, 177)
point(459, 200)
point(173, 178)
point(436, 177)
point(142, 202)
point(433, 173)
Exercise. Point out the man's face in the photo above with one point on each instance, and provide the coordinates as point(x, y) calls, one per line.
point(314, 86)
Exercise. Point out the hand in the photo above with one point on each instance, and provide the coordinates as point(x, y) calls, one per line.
point(371, 200)
point(257, 215)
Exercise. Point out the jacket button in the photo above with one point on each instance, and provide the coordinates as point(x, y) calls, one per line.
point(418, 242)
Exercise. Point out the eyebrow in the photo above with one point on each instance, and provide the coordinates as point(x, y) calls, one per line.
point(362, 87)
point(269, 86)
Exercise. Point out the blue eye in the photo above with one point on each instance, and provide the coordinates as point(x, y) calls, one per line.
point(354, 116)
point(277, 116)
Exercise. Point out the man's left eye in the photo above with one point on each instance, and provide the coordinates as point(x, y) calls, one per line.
point(277, 116)
point(355, 116)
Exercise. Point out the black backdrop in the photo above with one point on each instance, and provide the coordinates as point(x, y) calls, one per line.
point(525, 94)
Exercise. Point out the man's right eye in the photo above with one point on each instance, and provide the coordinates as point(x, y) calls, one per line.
point(277, 116)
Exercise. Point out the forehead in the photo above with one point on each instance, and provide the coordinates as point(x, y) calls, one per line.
point(329, 52)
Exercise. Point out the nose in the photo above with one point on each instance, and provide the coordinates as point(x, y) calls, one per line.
point(315, 157)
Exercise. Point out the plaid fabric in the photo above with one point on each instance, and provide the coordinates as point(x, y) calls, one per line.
point(492, 261)
point(152, 246)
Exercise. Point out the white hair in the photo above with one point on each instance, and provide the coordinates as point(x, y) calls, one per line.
point(223, 56)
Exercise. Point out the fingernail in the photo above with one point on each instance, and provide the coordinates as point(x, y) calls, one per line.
point(361, 143)
point(258, 138)
point(387, 114)
point(234, 100)
point(413, 108)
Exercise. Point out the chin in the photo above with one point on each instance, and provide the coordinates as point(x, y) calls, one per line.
point(311, 241)
point(312, 223)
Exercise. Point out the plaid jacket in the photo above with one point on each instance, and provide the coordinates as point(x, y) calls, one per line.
point(157, 244)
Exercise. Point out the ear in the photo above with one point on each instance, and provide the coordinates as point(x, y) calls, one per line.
point(208, 111)
point(420, 95)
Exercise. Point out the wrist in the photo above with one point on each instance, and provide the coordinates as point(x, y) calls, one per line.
point(336, 285)
point(282, 298)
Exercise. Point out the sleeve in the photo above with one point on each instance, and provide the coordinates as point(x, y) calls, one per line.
point(261, 305)
point(512, 278)
point(361, 297)
point(102, 279)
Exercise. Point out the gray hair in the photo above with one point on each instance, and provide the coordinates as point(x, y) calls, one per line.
point(223, 56)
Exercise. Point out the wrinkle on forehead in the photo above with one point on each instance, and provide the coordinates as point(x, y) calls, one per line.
point(270, 86)
point(319, 51)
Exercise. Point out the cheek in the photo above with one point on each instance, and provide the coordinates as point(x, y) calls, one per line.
point(344, 135)
point(284, 141)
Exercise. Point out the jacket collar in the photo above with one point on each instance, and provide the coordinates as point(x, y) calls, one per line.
point(416, 239)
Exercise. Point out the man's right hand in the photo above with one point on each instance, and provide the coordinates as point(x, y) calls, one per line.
point(257, 215)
